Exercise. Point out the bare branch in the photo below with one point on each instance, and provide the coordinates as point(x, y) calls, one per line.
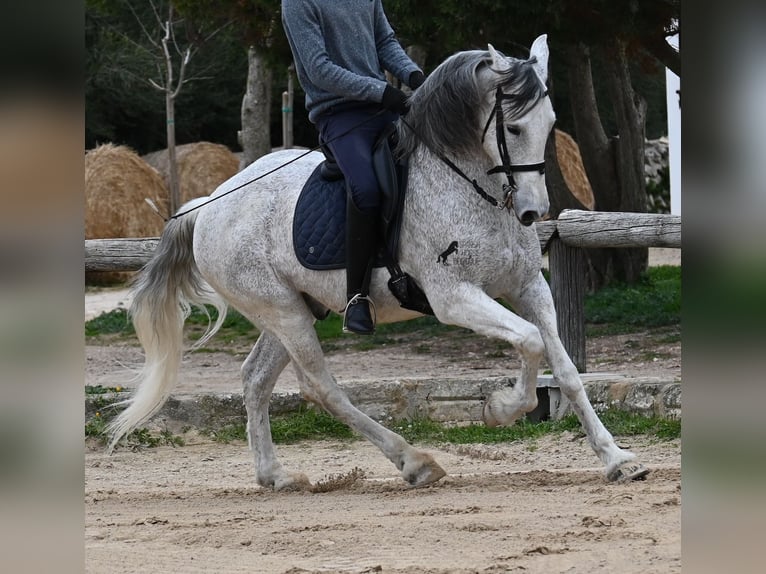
point(156, 12)
point(156, 85)
point(149, 36)
point(182, 73)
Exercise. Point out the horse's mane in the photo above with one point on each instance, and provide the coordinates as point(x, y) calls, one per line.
point(444, 111)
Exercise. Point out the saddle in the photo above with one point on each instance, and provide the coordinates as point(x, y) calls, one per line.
point(319, 224)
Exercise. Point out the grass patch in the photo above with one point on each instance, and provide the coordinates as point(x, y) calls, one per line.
point(95, 428)
point(655, 301)
point(114, 322)
point(312, 424)
point(102, 390)
point(330, 332)
point(618, 422)
point(308, 423)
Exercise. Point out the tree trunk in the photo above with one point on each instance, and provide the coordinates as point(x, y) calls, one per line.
point(630, 113)
point(615, 166)
point(595, 146)
point(255, 136)
point(174, 201)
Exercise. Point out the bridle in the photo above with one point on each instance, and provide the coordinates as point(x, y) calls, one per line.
point(502, 147)
point(507, 167)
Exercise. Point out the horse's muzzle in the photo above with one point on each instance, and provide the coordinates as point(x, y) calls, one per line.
point(529, 217)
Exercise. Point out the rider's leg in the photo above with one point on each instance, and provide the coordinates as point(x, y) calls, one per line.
point(351, 135)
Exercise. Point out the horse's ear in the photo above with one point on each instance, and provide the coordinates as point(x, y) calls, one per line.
point(499, 62)
point(539, 49)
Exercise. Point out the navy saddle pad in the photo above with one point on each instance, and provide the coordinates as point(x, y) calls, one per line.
point(319, 225)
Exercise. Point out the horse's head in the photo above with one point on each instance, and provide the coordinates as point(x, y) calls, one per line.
point(520, 119)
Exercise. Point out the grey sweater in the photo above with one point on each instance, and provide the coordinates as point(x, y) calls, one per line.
point(341, 49)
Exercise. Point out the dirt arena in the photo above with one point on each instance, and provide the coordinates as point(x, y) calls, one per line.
point(537, 506)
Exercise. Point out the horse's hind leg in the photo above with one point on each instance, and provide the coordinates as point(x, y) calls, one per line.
point(536, 305)
point(318, 385)
point(259, 375)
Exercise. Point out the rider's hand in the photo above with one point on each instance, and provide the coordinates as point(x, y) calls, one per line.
point(395, 100)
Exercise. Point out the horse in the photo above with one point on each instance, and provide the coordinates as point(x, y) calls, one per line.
point(480, 113)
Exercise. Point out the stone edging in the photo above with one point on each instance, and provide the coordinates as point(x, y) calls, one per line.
point(446, 400)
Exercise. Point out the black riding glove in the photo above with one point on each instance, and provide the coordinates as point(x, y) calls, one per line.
point(395, 100)
point(416, 80)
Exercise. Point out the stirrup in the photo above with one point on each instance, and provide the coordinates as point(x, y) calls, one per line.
point(353, 301)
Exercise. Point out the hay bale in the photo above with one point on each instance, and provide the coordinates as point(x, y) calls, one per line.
point(202, 167)
point(570, 162)
point(117, 181)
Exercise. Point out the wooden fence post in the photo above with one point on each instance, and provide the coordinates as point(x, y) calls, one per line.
point(567, 280)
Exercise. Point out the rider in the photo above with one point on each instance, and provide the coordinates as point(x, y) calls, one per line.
point(341, 49)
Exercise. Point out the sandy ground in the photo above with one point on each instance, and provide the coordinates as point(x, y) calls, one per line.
point(540, 506)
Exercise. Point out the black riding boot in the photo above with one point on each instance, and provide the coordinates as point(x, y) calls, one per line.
point(361, 244)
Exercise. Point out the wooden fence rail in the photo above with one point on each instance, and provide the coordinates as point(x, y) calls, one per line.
point(563, 238)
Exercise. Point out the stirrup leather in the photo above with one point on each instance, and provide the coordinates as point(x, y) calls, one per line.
point(353, 301)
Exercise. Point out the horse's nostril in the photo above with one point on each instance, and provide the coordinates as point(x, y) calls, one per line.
point(528, 218)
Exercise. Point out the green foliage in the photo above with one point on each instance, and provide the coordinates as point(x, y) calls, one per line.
point(308, 423)
point(234, 327)
point(117, 322)
point(95, 428)
point(305, 424)
point(619, 423)
point(101, 390)
point(330, 331)
point(653, 302)
point(111, 322)
point(313, 424)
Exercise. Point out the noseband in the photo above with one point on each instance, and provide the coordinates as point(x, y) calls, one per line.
point(502, 147)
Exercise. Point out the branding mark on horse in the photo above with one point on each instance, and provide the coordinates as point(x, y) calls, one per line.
point(446, 253)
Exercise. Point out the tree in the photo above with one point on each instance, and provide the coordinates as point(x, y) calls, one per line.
point(119, 61)
point(169, 86)
point(258, 24)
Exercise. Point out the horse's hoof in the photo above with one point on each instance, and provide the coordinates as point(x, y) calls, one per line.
point(293, 482)
point(425, 473)
point(630, 470)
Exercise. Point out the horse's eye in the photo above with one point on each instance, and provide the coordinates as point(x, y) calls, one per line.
point(513, 130)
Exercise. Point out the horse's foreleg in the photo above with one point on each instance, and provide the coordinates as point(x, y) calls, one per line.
point(469, 307)
point(259, 374)
point(318, 385)
point(536, 304)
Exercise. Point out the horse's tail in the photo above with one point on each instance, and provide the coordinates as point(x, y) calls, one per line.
point(163, 293)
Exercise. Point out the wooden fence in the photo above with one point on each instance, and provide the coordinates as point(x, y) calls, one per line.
point(563, 238)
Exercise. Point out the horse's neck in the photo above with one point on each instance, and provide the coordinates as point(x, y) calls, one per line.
point(445, 186)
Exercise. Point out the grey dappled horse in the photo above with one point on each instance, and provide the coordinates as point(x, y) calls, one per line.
point(479, 116)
